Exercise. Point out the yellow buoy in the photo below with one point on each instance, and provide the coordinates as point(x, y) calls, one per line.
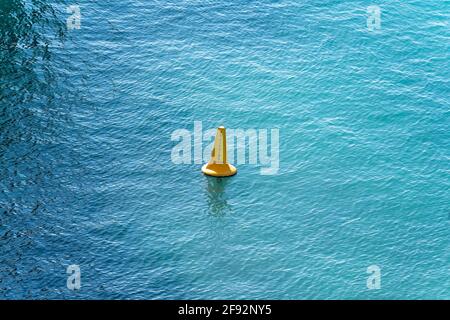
point(218, 165)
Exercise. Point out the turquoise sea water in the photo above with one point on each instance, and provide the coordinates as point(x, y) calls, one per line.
point(86, 176)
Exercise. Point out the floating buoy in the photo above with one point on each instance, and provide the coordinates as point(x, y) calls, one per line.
point(218, 165)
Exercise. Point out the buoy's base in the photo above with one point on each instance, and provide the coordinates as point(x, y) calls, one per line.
point(219, 170)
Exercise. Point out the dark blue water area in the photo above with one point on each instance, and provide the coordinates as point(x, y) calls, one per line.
point(87, 178)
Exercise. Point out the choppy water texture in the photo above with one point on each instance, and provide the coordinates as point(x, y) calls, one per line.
point(85, 170)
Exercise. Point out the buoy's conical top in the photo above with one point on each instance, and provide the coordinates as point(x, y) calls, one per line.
point(218, 165)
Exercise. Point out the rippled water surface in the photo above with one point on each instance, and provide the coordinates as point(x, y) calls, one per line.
point(86, 176)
